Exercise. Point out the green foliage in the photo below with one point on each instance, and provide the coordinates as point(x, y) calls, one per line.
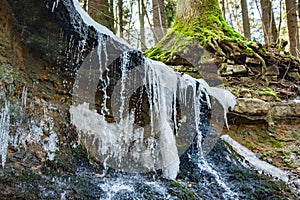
point(170, 10)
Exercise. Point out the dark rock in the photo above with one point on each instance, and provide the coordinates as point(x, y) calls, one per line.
point(240, 59)
point(272, 70)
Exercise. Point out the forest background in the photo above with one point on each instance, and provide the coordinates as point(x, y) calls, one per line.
point(142, 23)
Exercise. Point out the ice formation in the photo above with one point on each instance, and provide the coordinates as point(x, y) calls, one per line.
point(27, 131)
point(124, 144)
point(4, 132)
point(124, 140)
point(225, 98)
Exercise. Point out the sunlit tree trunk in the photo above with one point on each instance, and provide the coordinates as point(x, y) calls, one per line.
point(292, 26)
point(223, 8)
point(194, 10)
point(245, 15)
point(112, 16)
point(268, 20)
point(159, 19)
point(120, 18)
point(142, 24)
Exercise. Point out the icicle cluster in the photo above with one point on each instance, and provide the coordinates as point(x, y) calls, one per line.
point(28, 130)
point(123, 144)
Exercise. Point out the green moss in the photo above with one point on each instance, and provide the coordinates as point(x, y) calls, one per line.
point(245, 90)
point(209, 26)
point(275, 143)
point(270, 92)
point(181, 191)
point(249, 50)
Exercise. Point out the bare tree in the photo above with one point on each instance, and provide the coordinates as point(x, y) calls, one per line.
point(159, 19)
point(142, 23)
point(120, 18)
point(268, 21)
point(299, 9)
point(245, 15)
point(292, 26)
point(102, 12)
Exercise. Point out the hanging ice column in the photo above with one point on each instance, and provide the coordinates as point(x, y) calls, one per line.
point(4, 132)
point(153, 112)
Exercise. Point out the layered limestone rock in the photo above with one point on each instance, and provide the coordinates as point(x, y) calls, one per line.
point(271, 112)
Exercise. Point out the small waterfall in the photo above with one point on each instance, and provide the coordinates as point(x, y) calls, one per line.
point(124, 143)
point(145, 115)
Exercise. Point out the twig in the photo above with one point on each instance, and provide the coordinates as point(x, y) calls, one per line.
point(286, 71)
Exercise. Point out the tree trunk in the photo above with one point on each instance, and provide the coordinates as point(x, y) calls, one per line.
point(245, 15)
point(112, 16)
point(142, 24)
point(120, 16)
point(85, 4)
point(100, 11)
point(292, 26)
point(299, 10)
point(159, 19)
point(204, 13)
point(199, 26)
point(268, 21)
point(223, 8)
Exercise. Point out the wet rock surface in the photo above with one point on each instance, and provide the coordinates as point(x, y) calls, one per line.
point(193, 182)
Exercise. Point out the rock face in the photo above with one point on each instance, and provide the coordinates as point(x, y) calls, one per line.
point(270, 112)
point(33, 97)
point(252, 107)
point(51, 47)
point(270, 130)
point(39, 57)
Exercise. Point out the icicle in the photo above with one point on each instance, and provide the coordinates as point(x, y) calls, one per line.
point(225, 98)
point(4, 132)
point(24, 96)
point(53, 6)
point(50, 145)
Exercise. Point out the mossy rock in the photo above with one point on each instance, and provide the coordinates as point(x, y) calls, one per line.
point(268, 94)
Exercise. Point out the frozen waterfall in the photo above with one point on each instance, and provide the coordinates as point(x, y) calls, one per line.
point(174, 104)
